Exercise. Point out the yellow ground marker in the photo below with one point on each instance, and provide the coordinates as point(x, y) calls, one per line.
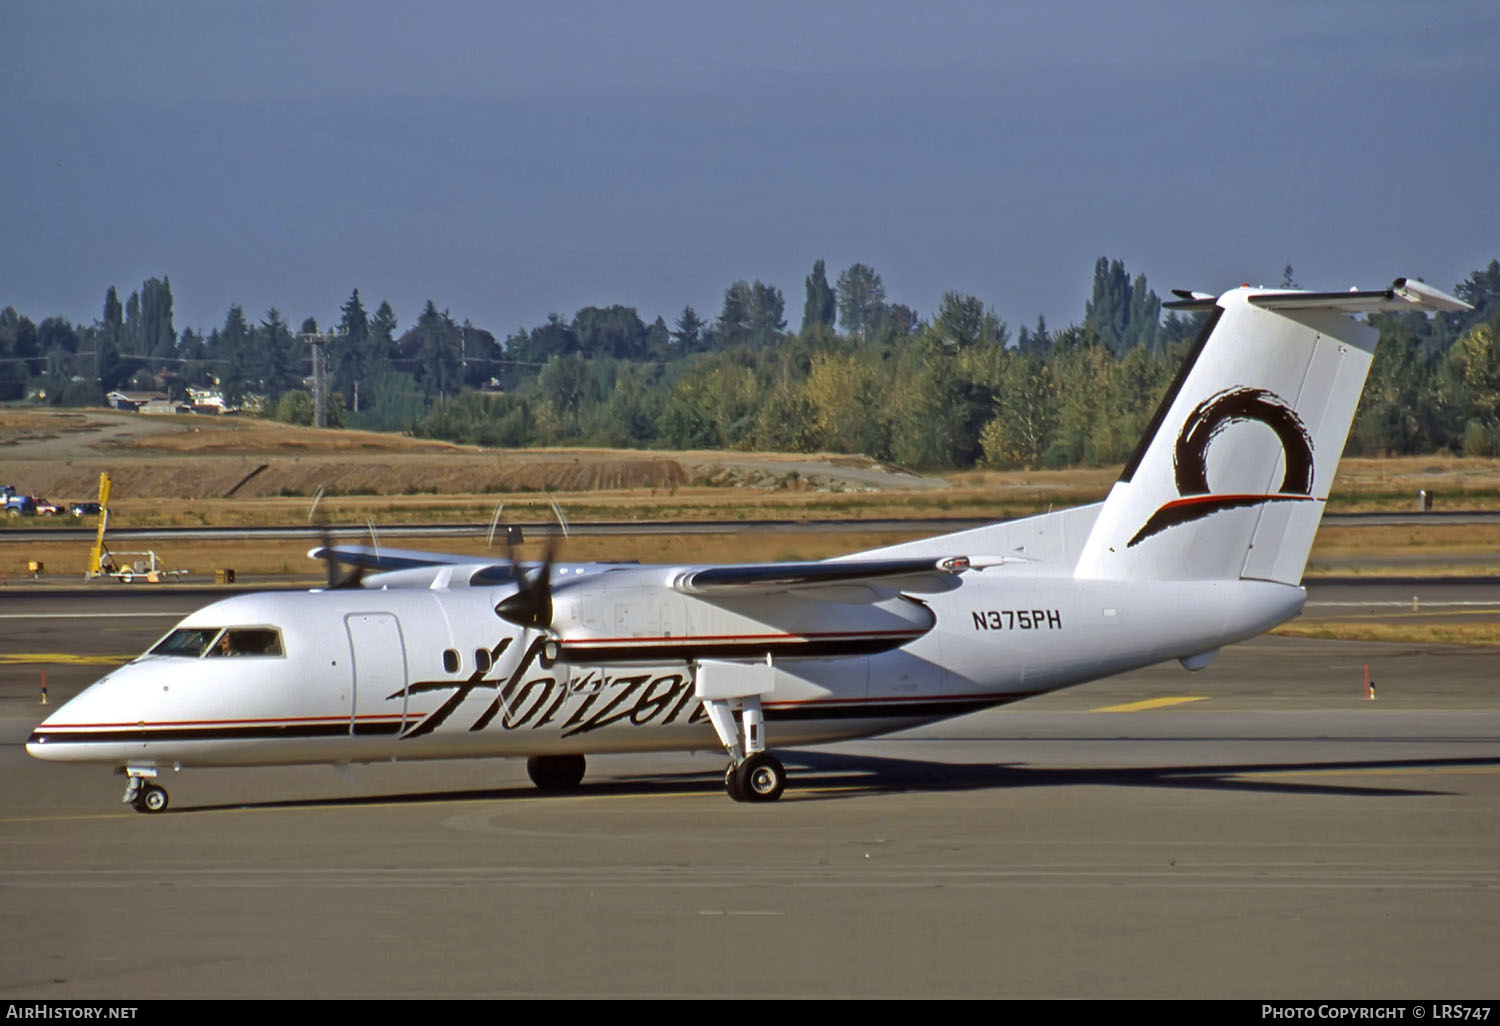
point(62, 659)
point(1150, 703)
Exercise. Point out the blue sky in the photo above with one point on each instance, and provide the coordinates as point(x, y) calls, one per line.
point(511, 160)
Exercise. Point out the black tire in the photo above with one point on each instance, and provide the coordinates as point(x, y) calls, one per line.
point(152, 799)
point(761, 778)
point(732, 784)
point(556, 772)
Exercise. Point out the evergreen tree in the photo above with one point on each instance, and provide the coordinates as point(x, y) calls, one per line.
point(689, 334)
point(156, 337)
point(231, 349)
point(438, 353)
point(107, 346)
point(820, 306)
point(1036, 342)
point(278, 354)
point(736, 319)
point(767, 315)
point(349, 353)
point(1120, 313)
point(382, 341)
point(963, 321)
point(861, 300)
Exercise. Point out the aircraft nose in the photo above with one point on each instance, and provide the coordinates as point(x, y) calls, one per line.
point(48, 738)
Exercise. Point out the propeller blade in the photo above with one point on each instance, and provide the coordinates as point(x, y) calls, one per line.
point(337, 577)
point(531, 605)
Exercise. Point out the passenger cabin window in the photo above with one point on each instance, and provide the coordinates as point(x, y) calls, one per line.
point(481, 659)
point(450, 660)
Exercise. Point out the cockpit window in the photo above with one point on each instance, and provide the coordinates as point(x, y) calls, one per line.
point(220, 641)
point(186, 641)
point(247, 641)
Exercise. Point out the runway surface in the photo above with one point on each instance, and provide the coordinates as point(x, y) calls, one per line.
point(1258, 830)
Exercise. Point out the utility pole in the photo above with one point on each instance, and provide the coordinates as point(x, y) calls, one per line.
point(317, 340)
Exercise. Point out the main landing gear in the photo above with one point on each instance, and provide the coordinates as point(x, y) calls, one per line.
point(754, 774)
point(556, 772)
point(760, 778)
point(141, 793)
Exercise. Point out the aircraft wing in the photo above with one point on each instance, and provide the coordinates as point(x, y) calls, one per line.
point(718, 581)
point(382, 558)
point(767, 578)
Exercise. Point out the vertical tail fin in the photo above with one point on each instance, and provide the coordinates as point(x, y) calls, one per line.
point(1233, 474)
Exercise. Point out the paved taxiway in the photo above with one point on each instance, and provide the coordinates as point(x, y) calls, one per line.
point(1277, 836)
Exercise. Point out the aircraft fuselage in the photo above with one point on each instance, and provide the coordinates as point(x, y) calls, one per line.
point(372, 674)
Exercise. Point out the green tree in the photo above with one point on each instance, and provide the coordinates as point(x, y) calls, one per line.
point(688, 336)
point(1472, 388)
point(107, 347)
point(929, 413)
point(349, 355)
point(567, 384)
point(821, 306)
point(767, 315)
point(963, 321)
point(737, 317)
point(280, 366)
point(616, 331)
point(1398, 412)
point(438, 352)
point(156, 336)
point(861, 300)
point(1121, 313)
point(1025, 413)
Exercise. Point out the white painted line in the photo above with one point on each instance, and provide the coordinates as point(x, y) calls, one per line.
point(89, 616)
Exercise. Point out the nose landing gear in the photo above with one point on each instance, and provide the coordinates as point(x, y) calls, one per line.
point(140, 793)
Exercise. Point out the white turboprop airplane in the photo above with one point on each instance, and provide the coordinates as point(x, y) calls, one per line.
point(1202, 542)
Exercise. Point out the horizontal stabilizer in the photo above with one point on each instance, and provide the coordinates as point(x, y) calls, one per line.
point(1404, 294)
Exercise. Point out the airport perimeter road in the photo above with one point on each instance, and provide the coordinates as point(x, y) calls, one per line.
point(1258, 829)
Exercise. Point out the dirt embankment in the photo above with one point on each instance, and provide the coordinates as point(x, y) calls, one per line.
point(60, 455)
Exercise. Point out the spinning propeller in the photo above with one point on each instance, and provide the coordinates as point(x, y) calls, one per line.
point(531, 605)
point(340, 574)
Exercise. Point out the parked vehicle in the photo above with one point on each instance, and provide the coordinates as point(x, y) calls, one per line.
point(84, 509)
point(46, 507)
point(17, 505)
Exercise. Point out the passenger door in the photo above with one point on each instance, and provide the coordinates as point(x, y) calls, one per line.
point(379, 699)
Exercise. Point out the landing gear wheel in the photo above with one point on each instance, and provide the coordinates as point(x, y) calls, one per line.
point(150, 799)
point(556, 772)
point(732, 785)
point(760, 778)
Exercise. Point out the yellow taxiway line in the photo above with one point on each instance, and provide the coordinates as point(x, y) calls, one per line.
point(62, 659)
point(1151, 703)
